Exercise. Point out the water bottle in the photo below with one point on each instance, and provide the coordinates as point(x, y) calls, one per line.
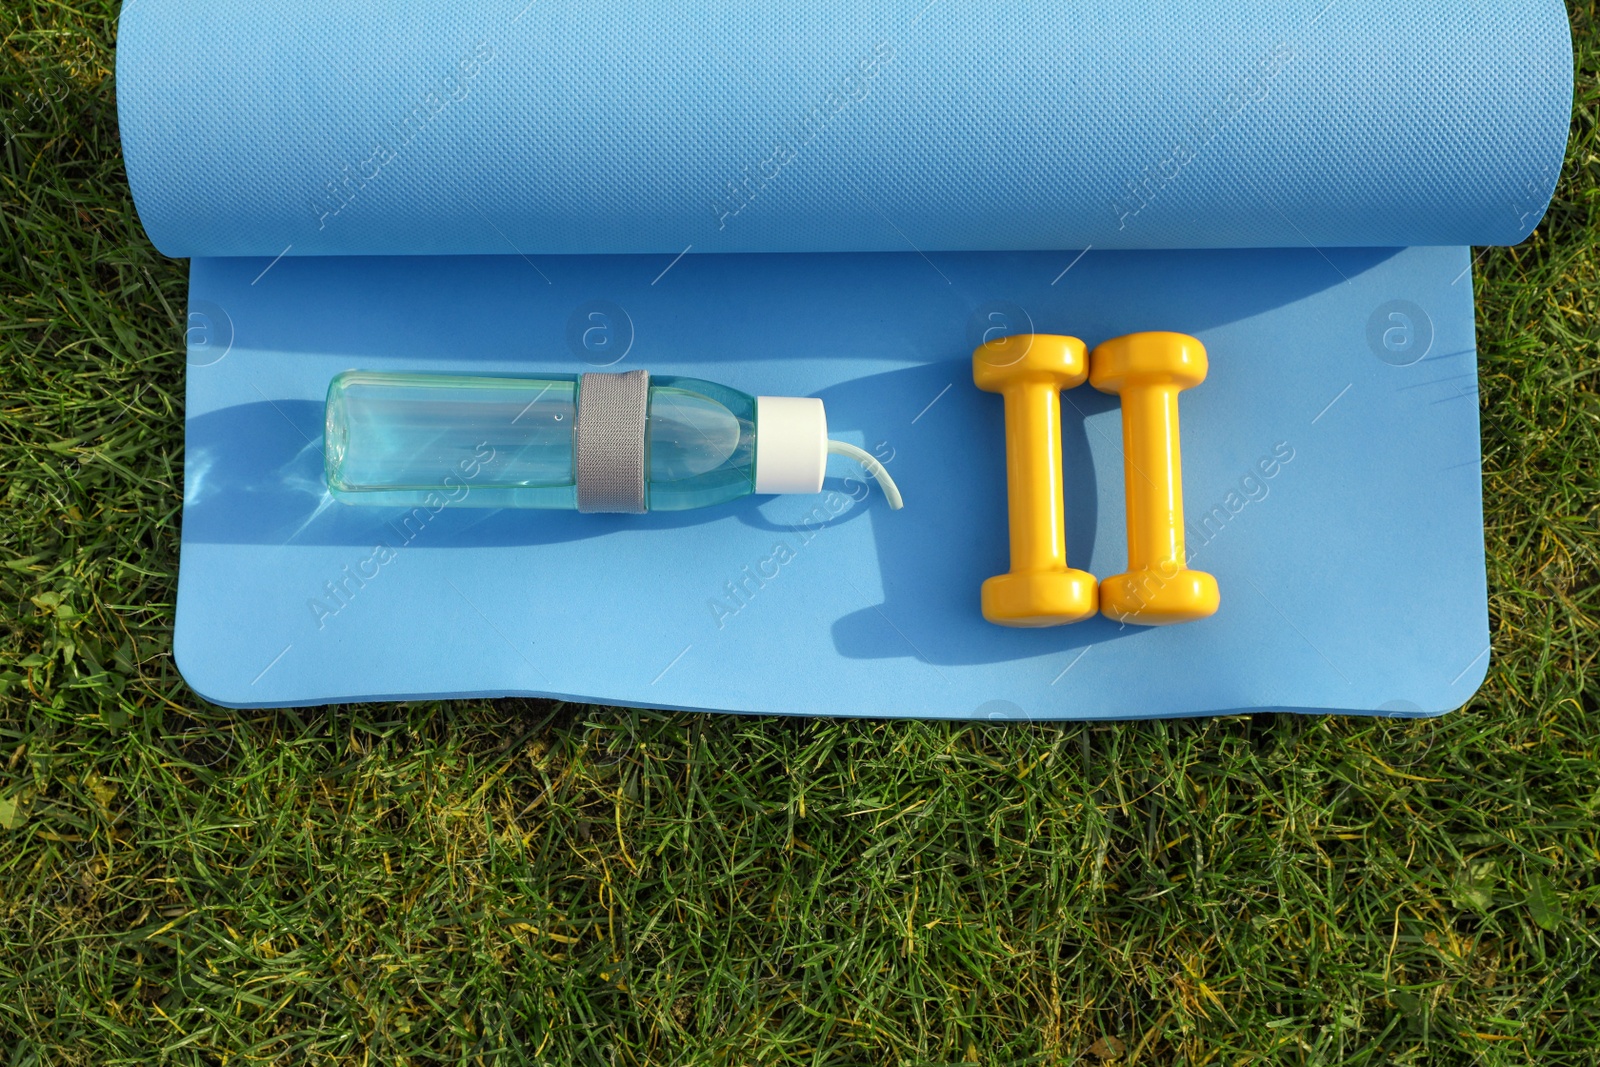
point(594, 442)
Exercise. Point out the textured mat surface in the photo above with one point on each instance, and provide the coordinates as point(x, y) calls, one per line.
point(589, 126)
point(1331, 475)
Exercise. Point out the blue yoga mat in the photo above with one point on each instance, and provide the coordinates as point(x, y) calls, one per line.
point(255, 127)
point(463, 187)
point(1331, 484)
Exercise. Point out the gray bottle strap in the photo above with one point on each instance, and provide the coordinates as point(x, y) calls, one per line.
point(608, 441)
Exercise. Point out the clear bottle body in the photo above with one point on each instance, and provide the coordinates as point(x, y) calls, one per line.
point(408, 440)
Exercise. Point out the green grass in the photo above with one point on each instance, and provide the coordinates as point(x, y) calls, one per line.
point(524, 882)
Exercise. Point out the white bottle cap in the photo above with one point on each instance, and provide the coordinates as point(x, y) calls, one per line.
point(791, 444)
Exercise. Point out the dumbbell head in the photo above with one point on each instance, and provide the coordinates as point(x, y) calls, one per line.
point(1154, 358)
point(1160, 595)
point(1035, 599)
point(1038, 357)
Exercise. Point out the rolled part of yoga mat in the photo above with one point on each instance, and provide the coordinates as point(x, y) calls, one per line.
point(295, 127)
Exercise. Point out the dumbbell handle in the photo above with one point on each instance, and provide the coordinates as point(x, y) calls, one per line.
point(1152, 475)
point(1034, 494)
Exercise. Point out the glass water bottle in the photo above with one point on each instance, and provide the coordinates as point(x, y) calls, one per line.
point(479, 441)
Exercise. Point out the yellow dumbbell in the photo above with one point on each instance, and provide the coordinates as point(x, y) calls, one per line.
point(1029, 371)
point(1148, 370)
